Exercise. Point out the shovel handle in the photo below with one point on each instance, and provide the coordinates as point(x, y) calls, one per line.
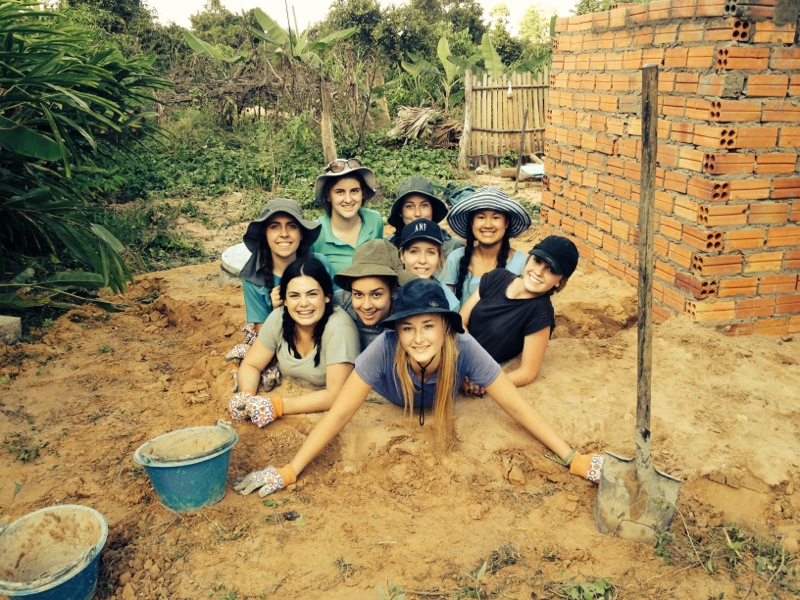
point(646, 263)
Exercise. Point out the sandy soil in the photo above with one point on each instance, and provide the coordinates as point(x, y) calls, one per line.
point(383, 510)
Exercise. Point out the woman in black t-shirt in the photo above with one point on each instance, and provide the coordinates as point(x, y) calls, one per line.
point(520, 307)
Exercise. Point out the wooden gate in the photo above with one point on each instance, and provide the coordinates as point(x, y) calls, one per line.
point(497, 112)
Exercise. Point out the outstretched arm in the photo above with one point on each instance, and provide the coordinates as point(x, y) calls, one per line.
point(532, 357)
point(506, 394)
point(255, 361)
point(320, 400)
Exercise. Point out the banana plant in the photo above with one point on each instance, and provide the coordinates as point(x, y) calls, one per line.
point(214, 52)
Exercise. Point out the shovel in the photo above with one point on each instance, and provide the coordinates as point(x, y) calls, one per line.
point(635, 500)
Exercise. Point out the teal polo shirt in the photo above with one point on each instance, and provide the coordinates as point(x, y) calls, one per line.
point(339, 253)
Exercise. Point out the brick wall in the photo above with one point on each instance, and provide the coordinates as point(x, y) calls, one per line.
point(727, 217)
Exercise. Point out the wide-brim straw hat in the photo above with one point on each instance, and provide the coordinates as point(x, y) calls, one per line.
point(255, 230)
point(423, 187)
point(489, 198)
point(419, 297)
point(376, 258)
point(366, 174)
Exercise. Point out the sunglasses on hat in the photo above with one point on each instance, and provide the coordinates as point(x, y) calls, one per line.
point(340, 164)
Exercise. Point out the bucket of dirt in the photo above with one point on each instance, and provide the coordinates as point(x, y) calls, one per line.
point(188, 468)
point(52, 554)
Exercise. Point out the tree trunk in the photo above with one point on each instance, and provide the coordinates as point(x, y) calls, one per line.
point(466, 136)
point(383, 105)
point(328, 141)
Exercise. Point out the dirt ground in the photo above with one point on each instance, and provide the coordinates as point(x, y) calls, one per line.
point(383, 512)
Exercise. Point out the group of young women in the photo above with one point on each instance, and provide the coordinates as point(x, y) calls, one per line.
point(414, 316)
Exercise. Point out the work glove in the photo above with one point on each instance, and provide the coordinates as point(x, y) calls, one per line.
point(236, 354)
point(268, 480)
point(271, 376)
point(588, 466)
point(259, 409)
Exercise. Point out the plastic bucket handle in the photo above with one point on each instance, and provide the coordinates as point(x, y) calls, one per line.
point(147, 459)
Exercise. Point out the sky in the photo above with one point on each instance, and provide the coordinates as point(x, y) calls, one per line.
point(310, 12)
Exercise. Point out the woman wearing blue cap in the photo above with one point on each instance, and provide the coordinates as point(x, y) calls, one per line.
point(521, 308)
point(419, 363)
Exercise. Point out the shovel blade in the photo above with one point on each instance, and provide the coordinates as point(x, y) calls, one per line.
point(634, 505)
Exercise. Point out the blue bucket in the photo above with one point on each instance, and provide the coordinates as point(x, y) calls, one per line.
point(52, 554)
point(189, 467)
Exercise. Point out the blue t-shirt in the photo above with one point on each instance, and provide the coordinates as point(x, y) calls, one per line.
point(340, 253)
point(257, 302)
point(516, 264)
point(375, 366)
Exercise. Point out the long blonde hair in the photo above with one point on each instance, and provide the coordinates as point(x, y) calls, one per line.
point(445, 384)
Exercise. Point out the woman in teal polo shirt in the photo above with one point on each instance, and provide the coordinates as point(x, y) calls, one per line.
point(342, 189)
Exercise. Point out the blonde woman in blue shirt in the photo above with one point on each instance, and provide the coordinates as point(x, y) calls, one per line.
point(342, 190)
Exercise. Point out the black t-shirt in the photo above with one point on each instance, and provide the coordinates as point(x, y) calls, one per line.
point(499, 324)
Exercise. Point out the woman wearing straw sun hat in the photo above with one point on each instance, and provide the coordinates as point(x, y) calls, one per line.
point(342, 189)
point(369, 285)
point(419, 363)
point(487, 220)
point(417, 199)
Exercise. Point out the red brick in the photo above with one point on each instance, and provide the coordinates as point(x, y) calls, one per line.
point(711, 8)
point(774, 326)
point(728, 164)
point(783, 236)
point(686, 83)
point(768, 212)
point(761, 262)
point(684, 9)
point(740, 239)
point(777, 284)
point(709, 190)
point(685, 207)
point(794, 85)
point(722, 30)
point(755, 307)
point(705, 310)
point(722, 214)
point(680, 254)
point(737, 286)
point(755, 59)
point(762, 86)
point(767, 32)
point(724, 264)
point(749, 189)
point(723, 111)
point(665, 34)
point(670, 228)
point(789, 137)
point(781, 111)
point(785, 59)
point(691, 160)
point(699, 288)
point(702, 239)
point(791, 259)
point(786, 187)
point(691, 31)
point(787, 304)
point(776, 163)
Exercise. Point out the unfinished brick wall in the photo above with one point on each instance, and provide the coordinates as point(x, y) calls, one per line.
point(727, 219)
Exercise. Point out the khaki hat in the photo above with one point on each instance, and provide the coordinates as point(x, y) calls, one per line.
point(376, 258)
point(345, 167)
point(423, 187)
point(255, 230)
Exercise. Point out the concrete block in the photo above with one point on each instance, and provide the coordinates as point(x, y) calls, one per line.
point(10, 329)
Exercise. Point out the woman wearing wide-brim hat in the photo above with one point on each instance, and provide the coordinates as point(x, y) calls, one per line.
point(278, 237)
point(369, 285)
point(416, 198)
point(419, 363)
point(342, 190)
point(487, 220)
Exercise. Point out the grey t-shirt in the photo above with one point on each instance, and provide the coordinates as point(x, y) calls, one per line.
point(339, 345)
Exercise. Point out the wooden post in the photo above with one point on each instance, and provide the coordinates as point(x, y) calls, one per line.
point(328, 141)
point(521, 148)
point(466, 136)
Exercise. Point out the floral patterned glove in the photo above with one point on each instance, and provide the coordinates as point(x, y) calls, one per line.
point(588, 466)
point(259, 409)
point(267, 481)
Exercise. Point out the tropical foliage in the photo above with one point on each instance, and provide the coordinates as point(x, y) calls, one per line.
point(67, 101)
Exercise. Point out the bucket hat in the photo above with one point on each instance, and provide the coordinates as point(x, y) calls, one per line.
point(422, 229)
point(376, 258)
point(422, 296)
point(416, 185)
point(345, 167)
point(488, 198)
point(255, 230)
point(558, 252)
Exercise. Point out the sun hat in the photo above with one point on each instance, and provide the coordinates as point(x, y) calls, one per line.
point(419, 297)
point(350, 166)
point(558, 252)
point(488, 198)
point(375, 258)
point(415, 185)
point(255, 230)
point(422, 229)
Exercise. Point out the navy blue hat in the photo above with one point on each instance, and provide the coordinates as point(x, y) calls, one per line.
point(420, 297)
point(558, 252)
point(422, 229)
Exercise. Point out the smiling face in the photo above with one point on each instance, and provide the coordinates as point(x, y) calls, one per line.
point(305, 301)
point(538, 278)
point(423, 258)
point(489, 226)
point(346, 197)
point(416, 206)
point(422, 337)
point(372, 299)
point(283, 236)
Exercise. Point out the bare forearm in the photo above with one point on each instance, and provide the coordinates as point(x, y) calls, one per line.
point(312, 402)
point(249, 377)
point(520, 376)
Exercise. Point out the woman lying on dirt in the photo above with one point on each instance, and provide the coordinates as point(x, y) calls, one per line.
point(423, 349)
point(369, 285)
point(520, 307)
point(277, 238)
point(342, 190)
point(422, 253)
point(312, 339)
point(487, 219)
